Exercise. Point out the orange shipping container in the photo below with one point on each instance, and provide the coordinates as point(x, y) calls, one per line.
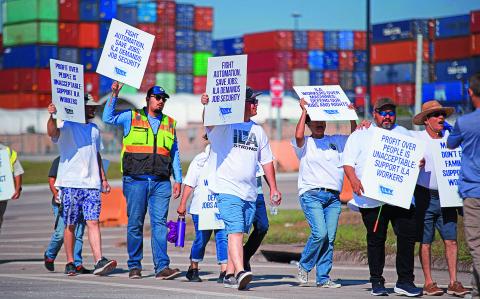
point(315, 40)
point(203, 19)
point(88, 35)
point(475, 44)
point(265, 41)
point(397, 52)
point(401, 94)
point(359, 40)
point(24, 100)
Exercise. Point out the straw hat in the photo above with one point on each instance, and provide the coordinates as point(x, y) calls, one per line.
point(430, 107)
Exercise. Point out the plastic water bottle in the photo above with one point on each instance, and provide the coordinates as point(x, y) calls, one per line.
point(181, 226)
point(274, 205)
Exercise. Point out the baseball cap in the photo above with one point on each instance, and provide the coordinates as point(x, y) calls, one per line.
point(380, 103)
point(251, 94)
point(157, 91)
point(90, 101)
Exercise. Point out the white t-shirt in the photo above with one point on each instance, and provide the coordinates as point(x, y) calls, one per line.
point(197, 178)
point(320, 162)
point(259, 174)
point(235, 151)
point(355, 155)
point(78, 145)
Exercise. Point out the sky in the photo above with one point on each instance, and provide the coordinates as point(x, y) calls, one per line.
point(236, 17)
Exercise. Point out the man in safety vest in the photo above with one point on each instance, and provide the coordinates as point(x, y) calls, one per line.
point(17, 172)
point(149, 156)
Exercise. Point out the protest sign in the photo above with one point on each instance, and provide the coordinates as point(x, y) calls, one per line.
point(391, 169)
point(447, 169)
point(209, 216)
point(125, 53)
point(68, 90)
point(226, 84)
point(7, 187)
point(326, 102)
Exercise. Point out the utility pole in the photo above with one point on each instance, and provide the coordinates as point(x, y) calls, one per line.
point(368, 87)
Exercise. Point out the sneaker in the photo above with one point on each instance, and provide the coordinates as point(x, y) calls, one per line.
point(378, 289)
point(244, 278)
point(104, 266)
point(229, 281)
point(302, 275)
point(457, 289)
point(221, 276)
point(167, 274)
point(135, 273)
point(70, 269)
point(432, 289)
point(192, 275)
point(49, 263)
point(82, 270)
point(329, 284)
point(407, 288)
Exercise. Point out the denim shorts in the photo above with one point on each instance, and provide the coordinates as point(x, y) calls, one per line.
point(80, 204)
point(430, 215)
point(236, 213)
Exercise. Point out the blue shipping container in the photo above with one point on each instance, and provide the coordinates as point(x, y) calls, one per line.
point(184, 83)
point(453, 91)
point(229, 46)
point(147, 12)
point(400, 30)
point(103, 28)
point(31, 56)
point(315, 60)
point(108, 9)
point(127, 14)
point(452, 70)
point(330, 40)
point(184, 63)
point(185, 16)
point(203, 41)
point(316, 77)
point(360, 60)
point(330, 60)
point(359, 79)
point(69, 54)
point(398, 73)
point(345, 40)
point(89, 10)
point(452, 26)
point(300, 40)
point(89, 58)
point(185, 40)
point(105, 85)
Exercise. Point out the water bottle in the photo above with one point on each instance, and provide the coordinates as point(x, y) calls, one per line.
point(181, 226)
point(274, 205)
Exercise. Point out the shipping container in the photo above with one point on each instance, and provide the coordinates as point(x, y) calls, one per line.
point(301, 77)
point(359, 40)
point(35, 80)
point(346, 80)
point(67, 34)
point(360, 92)
point(147, 12)
point(151, 63)
point(89, 10)
point(69, 54)
point(452, 48)
point(401, 94)
point(147, 27)
point(91, 82)
point(316, 78)
point(166, 60)
point(89, 59)
point(398, 73)
point(399, 30)
point(165, 37)
point(31, 56)
point(167, 81)
point(330, 60)
point(166, 13)
point(475, 21)
point(103, 32)
point(360, 60)
point(331, 78)
point(261, 80)
point(199, 84)
point(203, 41)
point(184, 83)
point(88, 35)
point(452, 26)
point(330, 40)
point(270, 61)
point(184, 63)
point(228, 46)
point(453, 91)
point(149, 80)
point(397, 52)
point(185, 40)
point(346, 61)
point(315, 60)
point(359, 78)
point(105, 85)
point(203, 18)
point(452, 70)
point(185, 16)
point(30, 33)
point(268, 41)
point(107, 10)
point(11, 80)
point(127, 14)
point(315, 40)
point(200, 63)
point(475, 44)
point(68, 10)
point(17, 11)
point(24, 100)
point(300, 59)
point(300, 40)
point(345, 40)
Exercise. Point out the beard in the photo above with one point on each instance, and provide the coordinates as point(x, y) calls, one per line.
point(387, 125)
point(158, 111)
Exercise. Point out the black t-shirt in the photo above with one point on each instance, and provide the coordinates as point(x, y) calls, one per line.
point(52, 173)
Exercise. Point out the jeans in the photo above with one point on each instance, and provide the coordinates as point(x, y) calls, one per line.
point(404, 226)
point(236, 213)
point(260, 228)
point(201, 239)
point(322, 210)
point(56, 241)
point(140, 195)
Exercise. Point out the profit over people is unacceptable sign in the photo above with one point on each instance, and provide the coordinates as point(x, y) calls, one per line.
point(125, 54)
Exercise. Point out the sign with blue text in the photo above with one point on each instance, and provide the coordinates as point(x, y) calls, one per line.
point(391, 169)
point(7, 187)
point(326, 102)
point(68, 90)
point(125, 54)
point(226, 85)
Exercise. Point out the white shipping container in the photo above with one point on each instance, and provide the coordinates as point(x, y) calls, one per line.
point(301, 77)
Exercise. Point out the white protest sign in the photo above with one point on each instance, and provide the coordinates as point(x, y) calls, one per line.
point(209, 216)
point(391, 169)
point(326, 102)
point(68, 90)
point(125, 53)
point(226, 85)
point(7, 187)
point(447, 169)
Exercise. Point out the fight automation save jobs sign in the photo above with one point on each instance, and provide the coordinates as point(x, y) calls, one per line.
point(326, 102)
point(125, 54)
point(68, 90)
point(391, 169)
point(7, 187)
point(226, 84)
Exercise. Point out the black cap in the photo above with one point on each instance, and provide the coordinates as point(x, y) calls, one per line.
point(384, 102)
point(251, 94)
point(157, 90)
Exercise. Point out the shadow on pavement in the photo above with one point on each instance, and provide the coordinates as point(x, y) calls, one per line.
point(271, 280)
point(352, 282)
point(20, 260)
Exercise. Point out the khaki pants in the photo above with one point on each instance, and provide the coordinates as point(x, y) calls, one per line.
point(471, 219)
point(3, 207)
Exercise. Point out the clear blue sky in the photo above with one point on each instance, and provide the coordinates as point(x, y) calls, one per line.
point(236, 17)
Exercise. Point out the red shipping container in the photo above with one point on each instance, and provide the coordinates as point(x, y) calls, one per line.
point(68, 10)
point(24, 100)
point(147, 27)
point(475, 21)
point(397, 52)
point(432, 23)
point(315, 40)
point(268, 41)
point(452, 48)
point(37, 80)
point(68, 34)
point(91, 83)
point(475, 44)
point(151, 64)
point(10, 80)
point(261, 80)
point(165, 37)
point(165, 61)
point(346, 60)
point(88, 35)
point(360, 92)
point(270, 61)
point(166, 13)
point(359, 40)
point(300, 60)
point(401, 94)
point(199, 84)
point(148, 81)
point(331, 78)
point(203, 19)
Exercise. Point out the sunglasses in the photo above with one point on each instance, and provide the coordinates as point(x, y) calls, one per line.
point(384, 113)
point(252, 101)
point(158, 97)
point(437, 114)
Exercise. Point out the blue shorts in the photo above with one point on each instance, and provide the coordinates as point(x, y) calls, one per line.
point(430, 215)
point(236, 213)
point(80, 204)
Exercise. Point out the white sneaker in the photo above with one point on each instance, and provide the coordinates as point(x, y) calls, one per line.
point(302, 275)
point(329, 285)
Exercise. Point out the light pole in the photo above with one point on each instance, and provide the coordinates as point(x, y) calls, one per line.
point(296, 16)
point(368, 87)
